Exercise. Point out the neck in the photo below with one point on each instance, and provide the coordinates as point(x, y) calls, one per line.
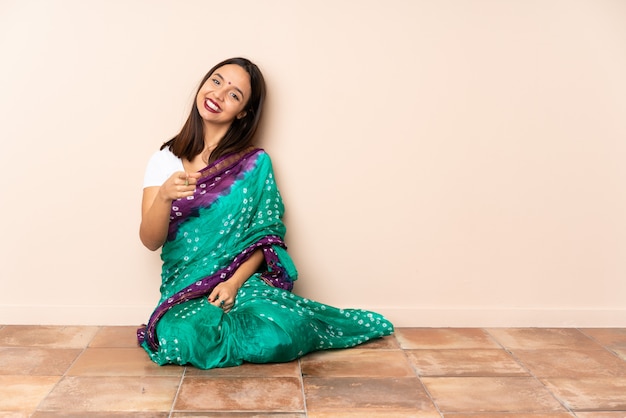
point(213, 134)
point(210, 147)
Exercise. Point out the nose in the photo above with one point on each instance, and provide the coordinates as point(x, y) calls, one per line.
point(219, 93)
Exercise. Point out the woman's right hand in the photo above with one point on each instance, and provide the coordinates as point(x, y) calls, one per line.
point(178, 186)
point(157, 204)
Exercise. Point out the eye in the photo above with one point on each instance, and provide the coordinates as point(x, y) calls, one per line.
point(234, 96)
point(216, 81)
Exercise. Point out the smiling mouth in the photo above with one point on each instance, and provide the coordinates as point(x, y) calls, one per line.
point(212, 106)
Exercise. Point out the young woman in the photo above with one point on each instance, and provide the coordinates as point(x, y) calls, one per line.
point(211, 203)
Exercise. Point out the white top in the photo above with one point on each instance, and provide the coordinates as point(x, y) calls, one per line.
point(161, 166)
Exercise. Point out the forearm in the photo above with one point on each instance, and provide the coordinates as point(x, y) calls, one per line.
point(247, 269)
point(155, 223)
point(224, 294)
point(157, 204)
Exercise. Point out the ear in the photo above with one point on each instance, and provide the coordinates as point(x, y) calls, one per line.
point(242, 114)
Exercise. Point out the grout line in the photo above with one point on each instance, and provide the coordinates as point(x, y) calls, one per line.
point(180, 384)
point(306, 413)
point(604, 347)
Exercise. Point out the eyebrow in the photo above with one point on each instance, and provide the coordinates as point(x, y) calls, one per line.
point(235, 87)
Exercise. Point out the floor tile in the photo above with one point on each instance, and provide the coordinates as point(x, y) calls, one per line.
point(511, 415)
point(608, 337)
point(614, 339)
point(290, 369)
point(389, 413)
point(602, 394)
point(112, 393)
point(99, 414)
point(572, 363)
point(465, 363)
point(442, 338)
point(120, 362)
point(115, 337)
point(621, 353)
point(46, 336)
point(36, 361)
point(240, 394)
point(23, 393)
point(238, 415)
point(357, 362)
point(385, 343)
point(366, 395)
point(542, 338)
point(491, 394)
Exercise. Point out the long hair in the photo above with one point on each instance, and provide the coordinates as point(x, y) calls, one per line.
point(189, 142)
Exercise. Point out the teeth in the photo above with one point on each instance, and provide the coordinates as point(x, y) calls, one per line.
point(212, 105)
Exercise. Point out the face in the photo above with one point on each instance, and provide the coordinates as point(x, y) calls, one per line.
point(224, 95)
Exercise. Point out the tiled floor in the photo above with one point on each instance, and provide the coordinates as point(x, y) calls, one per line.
point(418, 372)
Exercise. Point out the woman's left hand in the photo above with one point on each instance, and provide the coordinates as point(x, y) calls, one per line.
point(223, 296)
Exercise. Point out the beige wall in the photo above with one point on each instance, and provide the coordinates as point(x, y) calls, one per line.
point(447, 163)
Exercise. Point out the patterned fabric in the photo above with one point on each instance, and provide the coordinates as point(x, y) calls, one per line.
point(236, 210)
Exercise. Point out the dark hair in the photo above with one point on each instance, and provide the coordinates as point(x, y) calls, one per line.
point(189, 142)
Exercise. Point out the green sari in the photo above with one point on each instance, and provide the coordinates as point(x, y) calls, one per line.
point(236, 210)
